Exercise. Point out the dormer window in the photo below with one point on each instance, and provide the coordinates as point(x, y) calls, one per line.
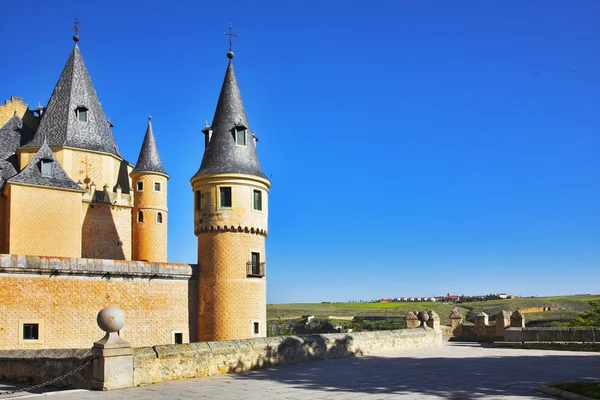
point(207, 135)
point(240, 136)
point(82, 114)
point(46, 167)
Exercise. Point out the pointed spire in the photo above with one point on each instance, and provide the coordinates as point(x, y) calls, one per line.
point(223, 154)
point(149, 158)
point(74, 116)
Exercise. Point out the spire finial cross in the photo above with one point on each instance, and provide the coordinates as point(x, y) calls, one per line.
point(231, 35)
point(76, 28)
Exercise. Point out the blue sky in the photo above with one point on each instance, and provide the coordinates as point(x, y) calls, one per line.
point(415, 147)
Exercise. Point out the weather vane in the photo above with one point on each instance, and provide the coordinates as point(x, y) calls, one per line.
point(76, 28)
point(231, 35)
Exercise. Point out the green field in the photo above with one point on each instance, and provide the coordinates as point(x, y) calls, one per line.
point(570, 307)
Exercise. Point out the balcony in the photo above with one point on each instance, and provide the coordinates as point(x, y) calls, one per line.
point(255, 270)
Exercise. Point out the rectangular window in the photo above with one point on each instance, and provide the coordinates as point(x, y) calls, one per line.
point(255, 264)
point(225, 196)
point(198, 200)
point(178, 338)
point(256, 328)
point(240, 137)
point(31, 331)
point(140, 186)
point(82, 115)
point(157, 186)
point(257, 200)
point(46, 168)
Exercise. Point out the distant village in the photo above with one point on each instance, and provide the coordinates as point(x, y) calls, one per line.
point(448, 298)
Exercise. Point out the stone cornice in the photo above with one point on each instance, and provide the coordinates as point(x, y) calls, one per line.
point(93, 267)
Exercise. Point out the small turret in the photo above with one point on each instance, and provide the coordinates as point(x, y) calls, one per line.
point(149, 219)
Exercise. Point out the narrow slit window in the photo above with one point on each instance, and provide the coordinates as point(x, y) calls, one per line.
point(31, 331)
point(140, 186)
point(225, 196)
point(198, 200)
point(256, 328)
point(257, 200)
point(159, 218)
point(140, 216)
point(255, 264)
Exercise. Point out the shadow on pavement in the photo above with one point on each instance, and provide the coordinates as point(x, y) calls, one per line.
point(498, 373)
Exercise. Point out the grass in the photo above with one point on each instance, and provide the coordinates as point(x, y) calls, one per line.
point(570, 307)
point(589, 389)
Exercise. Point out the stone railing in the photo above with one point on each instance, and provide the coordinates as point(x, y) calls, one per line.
point(117, 365)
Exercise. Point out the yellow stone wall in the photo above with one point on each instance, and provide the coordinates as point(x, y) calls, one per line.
point(149, 237)
point(67, 308)
point(105, 231)
point(8, 109)
point(229, 300)
point(38, 216)
point(241, 214)
point(87, 166)
point(3, 225)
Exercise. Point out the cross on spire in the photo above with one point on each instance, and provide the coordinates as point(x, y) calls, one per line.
point(76, 28)
point(231, 35)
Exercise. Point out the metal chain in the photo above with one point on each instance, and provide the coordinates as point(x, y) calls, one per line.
point(53, 380)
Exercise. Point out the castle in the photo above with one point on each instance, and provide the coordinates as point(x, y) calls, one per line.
point(81, 228)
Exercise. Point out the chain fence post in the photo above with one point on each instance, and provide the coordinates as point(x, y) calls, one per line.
point(113, 367)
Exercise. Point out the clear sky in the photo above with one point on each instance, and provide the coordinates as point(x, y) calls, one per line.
point(414, 147)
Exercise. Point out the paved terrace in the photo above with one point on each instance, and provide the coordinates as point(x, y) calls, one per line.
point(456, 371)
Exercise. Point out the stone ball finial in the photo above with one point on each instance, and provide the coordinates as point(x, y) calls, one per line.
point(110, 319)
point(230, 54)
point(423, 316)
point(76, 38)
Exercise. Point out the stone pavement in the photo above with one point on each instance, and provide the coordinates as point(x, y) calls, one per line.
point(456, 371)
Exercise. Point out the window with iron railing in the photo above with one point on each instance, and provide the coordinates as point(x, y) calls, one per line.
point(255, 268)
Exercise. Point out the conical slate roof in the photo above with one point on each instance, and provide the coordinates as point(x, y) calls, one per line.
point(32, 173)
point(222, 154)
point(149, 158)
point(60, 126)
point(10, 137)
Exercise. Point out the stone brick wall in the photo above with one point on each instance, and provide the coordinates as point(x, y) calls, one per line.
point(230, 301)
point(150, 236)
point(38, 215)
point(162, 363)
point(64, 295)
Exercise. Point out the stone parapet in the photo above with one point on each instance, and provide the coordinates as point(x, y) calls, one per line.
point(38, 366)
point(20, 264)
point(169, 362)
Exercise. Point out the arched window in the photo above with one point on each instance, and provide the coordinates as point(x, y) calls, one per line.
point(159, 218)
point(140, 216)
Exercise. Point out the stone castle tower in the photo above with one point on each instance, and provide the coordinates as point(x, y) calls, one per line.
point(230, 220)
point(149, 219)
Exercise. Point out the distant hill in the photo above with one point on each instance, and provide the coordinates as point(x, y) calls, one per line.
point(562, 308)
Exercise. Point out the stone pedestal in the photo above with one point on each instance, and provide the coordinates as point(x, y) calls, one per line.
point(411, 321)
point(434, 321)
point(517, 320)
point(113, 369)
point(456, 321)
